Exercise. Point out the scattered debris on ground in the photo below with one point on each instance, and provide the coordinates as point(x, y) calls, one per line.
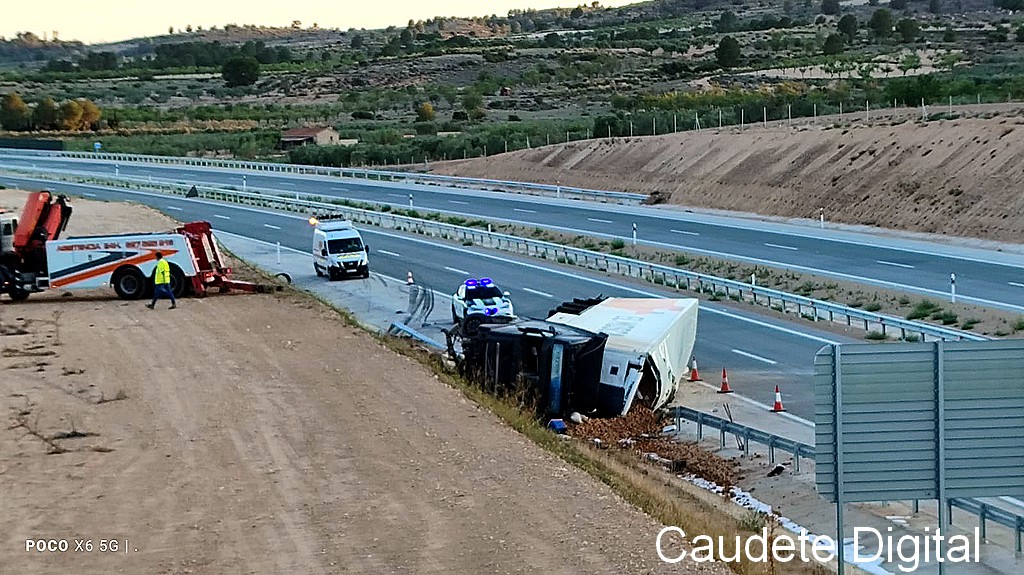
point(641, 430)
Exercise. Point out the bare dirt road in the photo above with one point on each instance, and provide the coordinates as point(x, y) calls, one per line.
point(262, 434)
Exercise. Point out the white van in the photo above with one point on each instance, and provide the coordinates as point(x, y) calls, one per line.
point(338, 249)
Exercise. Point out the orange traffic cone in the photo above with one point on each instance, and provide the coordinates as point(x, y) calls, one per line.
point(725, 383)
point(694, 374)
point(777, 408)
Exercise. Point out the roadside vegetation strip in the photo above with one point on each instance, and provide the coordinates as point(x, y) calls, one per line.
point(615, 261)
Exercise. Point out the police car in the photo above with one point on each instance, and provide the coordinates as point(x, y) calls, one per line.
point(478, 301)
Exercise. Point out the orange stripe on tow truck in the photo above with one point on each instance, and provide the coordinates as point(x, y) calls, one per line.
point(109, 268)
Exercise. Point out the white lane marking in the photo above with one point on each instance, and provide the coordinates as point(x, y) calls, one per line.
point(684, 232)
point(752, 356)
point(524, 211)
point(1015, 284)
point(271, 226)
point(398, 195)
point(340, 189)
point(505, 259)
point(309, 255)
point(600, 221)
point(896, 264)
point(458, 202)
point(174, 208)
point(89, 195)
point(540, 293)
point(457, 270)
point(766, 325)
point(867, 240)
point(782, 247)
point(222, 217)
point(387, 253)
point(290, 184)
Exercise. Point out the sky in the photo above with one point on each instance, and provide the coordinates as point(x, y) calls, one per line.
point(98, 21)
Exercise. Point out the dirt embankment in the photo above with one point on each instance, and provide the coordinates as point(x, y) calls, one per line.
point(959, 177)
point(262, 434)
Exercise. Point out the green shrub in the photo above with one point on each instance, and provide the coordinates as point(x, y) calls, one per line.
point(923, 309)
point(873, 306)
point(970, 323)
point(911, 337)
point(1019, 324)
point(876, 335)
point(618, 244)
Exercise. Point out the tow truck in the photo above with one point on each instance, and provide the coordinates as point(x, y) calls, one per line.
point(33, 258)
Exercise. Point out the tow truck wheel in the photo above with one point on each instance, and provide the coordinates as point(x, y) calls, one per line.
point(179, 283)
point(455, 317)
point(319, 273)
point(18, 294)
point(129, 283)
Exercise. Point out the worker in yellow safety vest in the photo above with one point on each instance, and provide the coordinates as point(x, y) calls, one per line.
point(162, 282)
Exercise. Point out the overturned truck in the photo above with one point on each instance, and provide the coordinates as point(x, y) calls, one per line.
point(596, 356)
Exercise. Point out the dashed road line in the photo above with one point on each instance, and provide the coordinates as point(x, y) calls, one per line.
point(540, 293)
point(896, 264)
point(753, 356)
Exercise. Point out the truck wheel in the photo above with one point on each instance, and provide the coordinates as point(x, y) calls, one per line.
point(319, 273)
point(179, 283)
point(455, 318)
point(366, 272)
point(472, 325)
point(129, 283)
point(18, 294)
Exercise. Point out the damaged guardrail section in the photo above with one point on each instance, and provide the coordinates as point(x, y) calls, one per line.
point(567, 192)
point(813, 309)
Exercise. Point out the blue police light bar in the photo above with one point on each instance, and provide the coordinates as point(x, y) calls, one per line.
point(485, 281)
point(470, 283)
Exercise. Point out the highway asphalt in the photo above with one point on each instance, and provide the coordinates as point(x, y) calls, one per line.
point(983, 277)
point(759, 352)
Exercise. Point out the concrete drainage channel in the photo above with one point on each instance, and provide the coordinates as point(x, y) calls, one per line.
point(679, 279)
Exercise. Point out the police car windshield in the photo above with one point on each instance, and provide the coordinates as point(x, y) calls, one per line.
point(482, 292)
point(344, 245)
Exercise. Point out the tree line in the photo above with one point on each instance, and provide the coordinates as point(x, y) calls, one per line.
point(46, 114)
point(180, 55)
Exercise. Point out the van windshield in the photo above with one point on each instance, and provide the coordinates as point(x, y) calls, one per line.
point(344, 246)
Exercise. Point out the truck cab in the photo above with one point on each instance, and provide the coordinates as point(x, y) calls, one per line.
point(8, 225)
point(338, 249)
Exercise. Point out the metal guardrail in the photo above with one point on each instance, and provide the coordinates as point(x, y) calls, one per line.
point(657, 274)
point(984, 511)
point(747, 434)
point(594, 260)
point(567, 192)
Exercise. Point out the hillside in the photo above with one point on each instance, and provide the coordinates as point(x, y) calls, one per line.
point(959, 177)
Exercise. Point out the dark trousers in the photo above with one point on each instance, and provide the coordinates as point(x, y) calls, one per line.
point(162, 290)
